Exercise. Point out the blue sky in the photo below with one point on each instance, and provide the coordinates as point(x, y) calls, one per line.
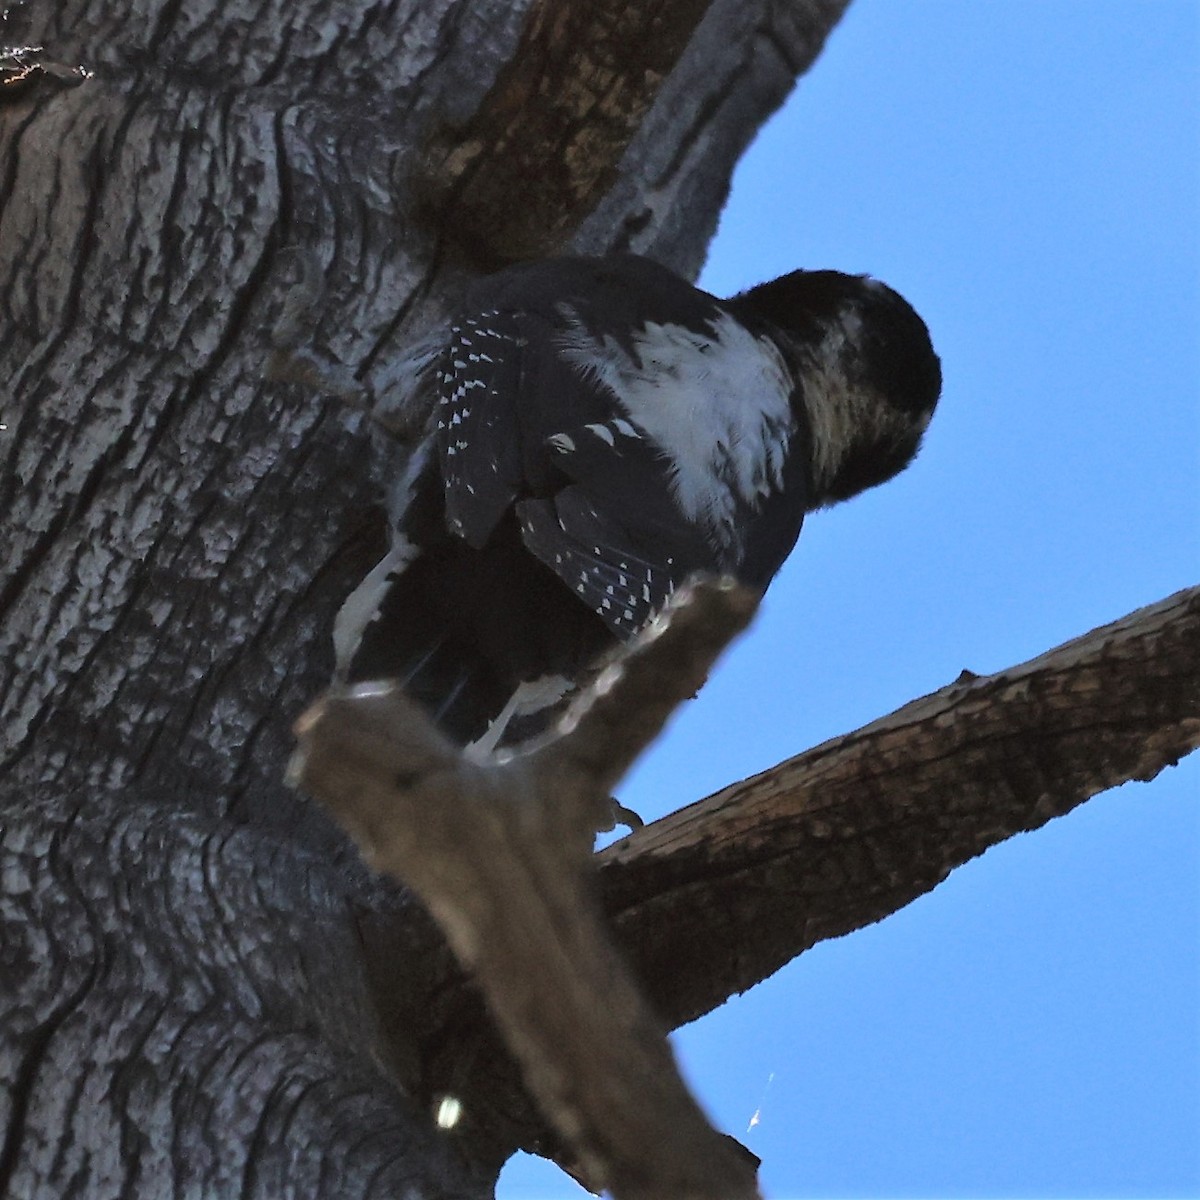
point(1028, 174)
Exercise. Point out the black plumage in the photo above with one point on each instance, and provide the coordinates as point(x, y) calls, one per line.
point(601, 429)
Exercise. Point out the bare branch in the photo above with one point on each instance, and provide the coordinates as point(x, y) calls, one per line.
point(721, 894)
point(500, 854)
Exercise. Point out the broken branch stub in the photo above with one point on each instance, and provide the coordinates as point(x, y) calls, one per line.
point(499, 851)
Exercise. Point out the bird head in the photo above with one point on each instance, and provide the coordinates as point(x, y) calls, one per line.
point(865, 372)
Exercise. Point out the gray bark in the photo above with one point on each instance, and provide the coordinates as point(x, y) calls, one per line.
point(185, 1006)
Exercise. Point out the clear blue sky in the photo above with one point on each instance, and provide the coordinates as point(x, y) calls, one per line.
point(1028, 174)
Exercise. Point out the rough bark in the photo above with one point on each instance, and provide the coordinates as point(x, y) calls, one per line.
point(183, 1004)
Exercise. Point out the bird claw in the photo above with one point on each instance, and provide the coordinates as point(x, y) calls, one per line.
point(618, 814)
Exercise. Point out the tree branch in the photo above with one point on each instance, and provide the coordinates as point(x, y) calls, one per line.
point(584, 97)
point(500, 854)
point(178, 533)
point(719, 895)
point(716, 897)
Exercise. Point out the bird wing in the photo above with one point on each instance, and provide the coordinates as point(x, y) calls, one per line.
point(476, 423)
point(591, 553)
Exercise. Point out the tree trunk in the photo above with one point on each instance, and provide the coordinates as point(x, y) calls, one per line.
point(183, 1004)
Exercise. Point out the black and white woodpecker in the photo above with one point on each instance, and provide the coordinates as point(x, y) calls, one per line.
point(601, 430)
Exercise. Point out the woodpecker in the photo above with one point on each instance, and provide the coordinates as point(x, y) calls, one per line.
point(600, 430)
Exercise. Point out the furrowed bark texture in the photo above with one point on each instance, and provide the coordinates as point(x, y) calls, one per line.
point(184, 1002)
